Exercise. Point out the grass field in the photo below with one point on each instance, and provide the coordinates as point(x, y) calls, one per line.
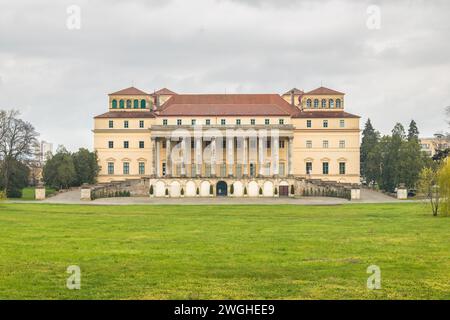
point(224, 252)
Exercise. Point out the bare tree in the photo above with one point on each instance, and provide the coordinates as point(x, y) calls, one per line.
point(17, 141)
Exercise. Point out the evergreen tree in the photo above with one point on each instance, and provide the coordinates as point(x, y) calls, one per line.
point(370, 138)
point(413, 132)
point(86, 166)
point(59, 171)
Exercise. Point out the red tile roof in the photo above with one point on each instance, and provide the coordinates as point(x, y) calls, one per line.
point(126, 114)
point(324, 91)
point(226, 105)
point(129, 91)
point(164, 91)
point(324, 114)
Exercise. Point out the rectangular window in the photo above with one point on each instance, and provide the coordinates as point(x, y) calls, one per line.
point(252, 170)
point(325, 167)
point(207, 170)
point(193, 121)
point(141, 144)
point(239, 170)
point(268, 143)
point(110, 144)
point(281, 169)
point(164, 144)
point(308, 143)
point(141, 123)
point(224, 144)
point(308, 167)
point(222, 122)
point(325, 144)
point(266, 121)
point(111, 124)
point(141, 168)
point(342, 123)
point(223, 170)
point(341, 167)
point(126, 144)
point(179, 122)
point(126, 168)
point(342, 144)
point(207, 122)
point(252, 122)
point(308, 123)
point(192, 144)
point(164, 169)
point(325, 123)
point(281, 121)
point(125, 124)
point(281, 144)
point(238, 122)
point(164, 122)
point(110, 167)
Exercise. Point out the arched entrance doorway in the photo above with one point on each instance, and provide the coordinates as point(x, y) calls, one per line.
point(222, 188)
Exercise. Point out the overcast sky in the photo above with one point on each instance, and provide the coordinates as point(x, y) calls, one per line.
point(59, 78)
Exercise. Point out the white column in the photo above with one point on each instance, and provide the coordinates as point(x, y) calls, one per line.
point(290, 147)
point(153, 141)
point(158, 152)
point(261, 149)
point(213, 156)
point(245, 155)
point(275, 155)
point(168, 158)
point(198, 156)
point(230, 155)
point(183, 156)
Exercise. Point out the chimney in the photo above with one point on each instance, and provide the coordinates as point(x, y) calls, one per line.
point(292, 98)
point(157, 101)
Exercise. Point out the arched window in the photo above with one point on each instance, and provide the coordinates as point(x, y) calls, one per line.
point(114, 104)
point(308, 103)
point(136, 103)
point(316, 103)
point(128, 104)
point(331, 101)
point(324, 103)
point(338, 103)
point(143, 104)
point(121, 104)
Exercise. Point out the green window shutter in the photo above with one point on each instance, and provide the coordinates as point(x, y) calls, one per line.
point(142, 104)
point(114, 104)
point(121, 104)
point(136, 103)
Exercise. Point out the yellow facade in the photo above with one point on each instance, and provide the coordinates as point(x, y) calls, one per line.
point(134, 144)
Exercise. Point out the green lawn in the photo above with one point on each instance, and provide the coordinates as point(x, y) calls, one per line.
point(223, 252)
point(28, 193)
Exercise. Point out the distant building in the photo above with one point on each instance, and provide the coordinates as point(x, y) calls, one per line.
point(431, 145)
point(43, 150)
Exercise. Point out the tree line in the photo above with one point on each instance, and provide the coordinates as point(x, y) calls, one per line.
point(66, 169)
point(390, 160)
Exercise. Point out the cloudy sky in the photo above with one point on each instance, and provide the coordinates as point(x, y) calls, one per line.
point(59, 78)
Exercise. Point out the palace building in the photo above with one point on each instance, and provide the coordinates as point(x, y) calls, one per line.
point(227, 144)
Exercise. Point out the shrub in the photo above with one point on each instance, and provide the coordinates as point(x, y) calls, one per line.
point(167, 192)
point(2, 195)
point(292, 189)
point(182, 192)
point(151, 190)
point(198, 191)
point(231, 189)
point(275, 191)
point(245, 191)
point(260, 191)
point(211, 190)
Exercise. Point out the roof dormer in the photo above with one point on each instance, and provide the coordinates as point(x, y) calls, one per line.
point(130, 99)
point(322, 99)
